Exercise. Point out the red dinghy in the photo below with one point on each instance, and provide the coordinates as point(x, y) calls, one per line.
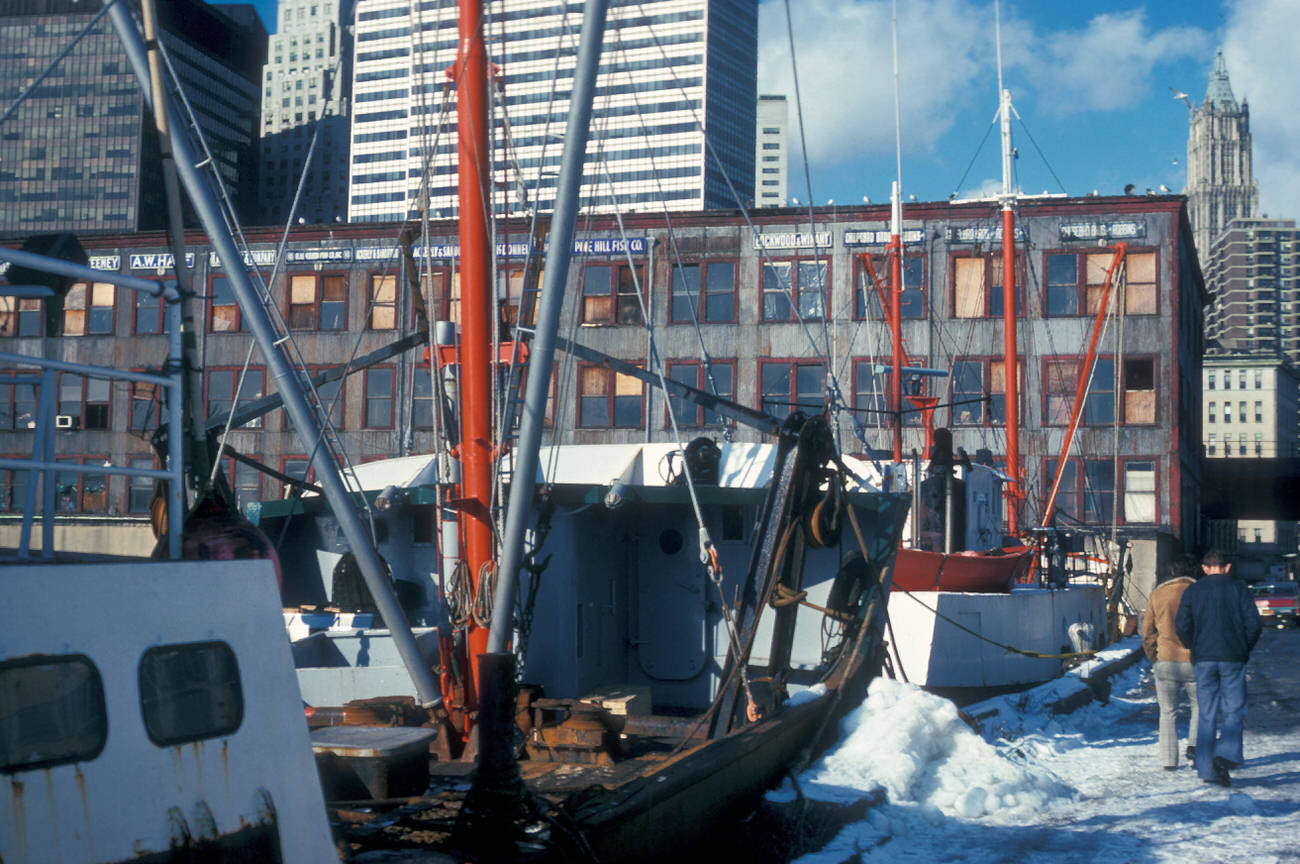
point(991, 571)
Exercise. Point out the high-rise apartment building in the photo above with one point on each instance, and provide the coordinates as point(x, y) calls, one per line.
point(770, 157)
point(1249, 411)
point(1251, 270)
point(305, 88)
point(1220, 184)
point(672, 124)
point(79, 153)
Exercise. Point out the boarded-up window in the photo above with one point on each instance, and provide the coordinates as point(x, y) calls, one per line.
point(74, 310)
point(1140, 293)
point(968, 291)
point(597, 295)
point(1139, 391)
point(225, 311)
point(593, 403)
point(1058, 384)
point(627, 400)
point(1095, 269)
point(302, 302)
point(1139, 492)
point(333, 305)
point(383, 302)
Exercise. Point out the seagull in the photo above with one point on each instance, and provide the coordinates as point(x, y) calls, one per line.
point(1179, 94)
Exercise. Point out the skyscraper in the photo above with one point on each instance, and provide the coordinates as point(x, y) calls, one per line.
point(1220, 184)
point(772, 153)
point(669, 71)
point(79, 153)
point(1251, 271)
point(305, 88)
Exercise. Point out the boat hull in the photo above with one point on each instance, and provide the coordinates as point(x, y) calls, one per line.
point(993, 571)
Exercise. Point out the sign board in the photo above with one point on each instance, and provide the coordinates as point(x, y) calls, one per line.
point(1103, 230)
point(880, 237)
point(981, 234)
point(157, 260)
point(793, 240)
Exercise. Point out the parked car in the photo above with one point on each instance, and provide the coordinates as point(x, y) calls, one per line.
point(1277, 602)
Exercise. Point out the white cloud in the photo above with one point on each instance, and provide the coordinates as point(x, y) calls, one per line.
point(1106, 65)
point(1264, 65)
point(845, 56)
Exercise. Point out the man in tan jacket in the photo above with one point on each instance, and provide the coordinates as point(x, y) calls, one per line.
point(1170, 659)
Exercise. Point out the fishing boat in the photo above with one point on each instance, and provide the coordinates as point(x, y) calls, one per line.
point(669, 677)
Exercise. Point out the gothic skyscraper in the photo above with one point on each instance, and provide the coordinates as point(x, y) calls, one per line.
point(1220, 184)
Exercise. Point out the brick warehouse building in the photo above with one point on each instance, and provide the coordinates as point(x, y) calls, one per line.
point(344, 294)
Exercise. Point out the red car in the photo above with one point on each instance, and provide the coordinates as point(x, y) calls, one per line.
point(1277, 602)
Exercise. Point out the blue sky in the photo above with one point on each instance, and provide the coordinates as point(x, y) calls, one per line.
point(1091, 81)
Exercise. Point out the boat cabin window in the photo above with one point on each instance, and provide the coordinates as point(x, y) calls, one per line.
point(54, 712)
point(190, 692)
point(866, 294)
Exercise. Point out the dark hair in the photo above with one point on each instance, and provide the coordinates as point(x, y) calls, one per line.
point(1184, 565)
point(1214, 557)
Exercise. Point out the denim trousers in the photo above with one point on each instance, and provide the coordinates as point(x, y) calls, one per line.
point(1221, 692)
point(1171, 678)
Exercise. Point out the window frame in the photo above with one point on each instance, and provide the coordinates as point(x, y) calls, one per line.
point(103, 409)
point(148, 716)
point(234, 317)
point(78, 486)
point(145, 301)
point(136, 483)
point(610, 396)
point(863, 287)
point(371, 401)
point(88, 291)
point(992, 291)
point(792, 366)
point(624, 309)
point(794, 299)
point(312, 312)
point(94, 745)
point(234, 371)
point(700, 417)
point(1082, 299)
point(702, 294)
point(374, 282)
point(1088, 415)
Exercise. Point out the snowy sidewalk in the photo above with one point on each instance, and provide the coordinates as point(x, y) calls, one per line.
point(1080, 787)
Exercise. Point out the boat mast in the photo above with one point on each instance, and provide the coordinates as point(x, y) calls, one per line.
point(896, 261)
point(476, 310)
point(1011, 367)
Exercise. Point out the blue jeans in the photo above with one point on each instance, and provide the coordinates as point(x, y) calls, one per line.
point(1171, 678)
point(1221, 694)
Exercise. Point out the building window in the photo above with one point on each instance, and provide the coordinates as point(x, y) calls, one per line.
point(13, 490)
point(704, 292)
point(1140, 294)
point(190, 692)
point(611, 294)
point(422, 398)
point(977, 286)
point(1086, 491)
point(297, 467)
point(149, 311)
point(792, 385)
point(88, 309)
point(22, 316)
point(317, 302)
point(1076, 280)
point(245, 481)
point(81, 493)
point(330, 394)
point(1061, 378)
point(1139, 391)
point(979, 393)
point(1241, 379)
point(803, 281)
point(146, 407)
point(1139, 492)
point(1241, 445)
point(224, 315)
point(1241, 411)
point(1211, 378)
point(715, 378)
point(84, 401)
point(1210, 447)
point(608, 399)
point(1259, 379)
point(139, 490)
point(1259, 412)
point(1259, 443)
point(18, 402)
point(383, 301)
point(1259, 535)
point(222, 387)
point(55, 712)
point(1211, 408)
point(867, 294)
point(379, 397)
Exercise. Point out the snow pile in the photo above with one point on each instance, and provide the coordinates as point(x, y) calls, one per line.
point(917, 747)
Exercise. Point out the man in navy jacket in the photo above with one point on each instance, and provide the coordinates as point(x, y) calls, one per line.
point(1218, 621)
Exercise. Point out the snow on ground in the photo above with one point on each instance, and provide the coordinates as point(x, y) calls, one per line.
point(1081, 787)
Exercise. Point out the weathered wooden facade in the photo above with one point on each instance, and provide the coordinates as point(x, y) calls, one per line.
point(721, 290)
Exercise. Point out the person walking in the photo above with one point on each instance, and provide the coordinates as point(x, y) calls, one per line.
point(1170, 658)
point(1218, 621)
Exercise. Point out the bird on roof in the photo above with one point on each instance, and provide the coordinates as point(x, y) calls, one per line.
point(1187, 100)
